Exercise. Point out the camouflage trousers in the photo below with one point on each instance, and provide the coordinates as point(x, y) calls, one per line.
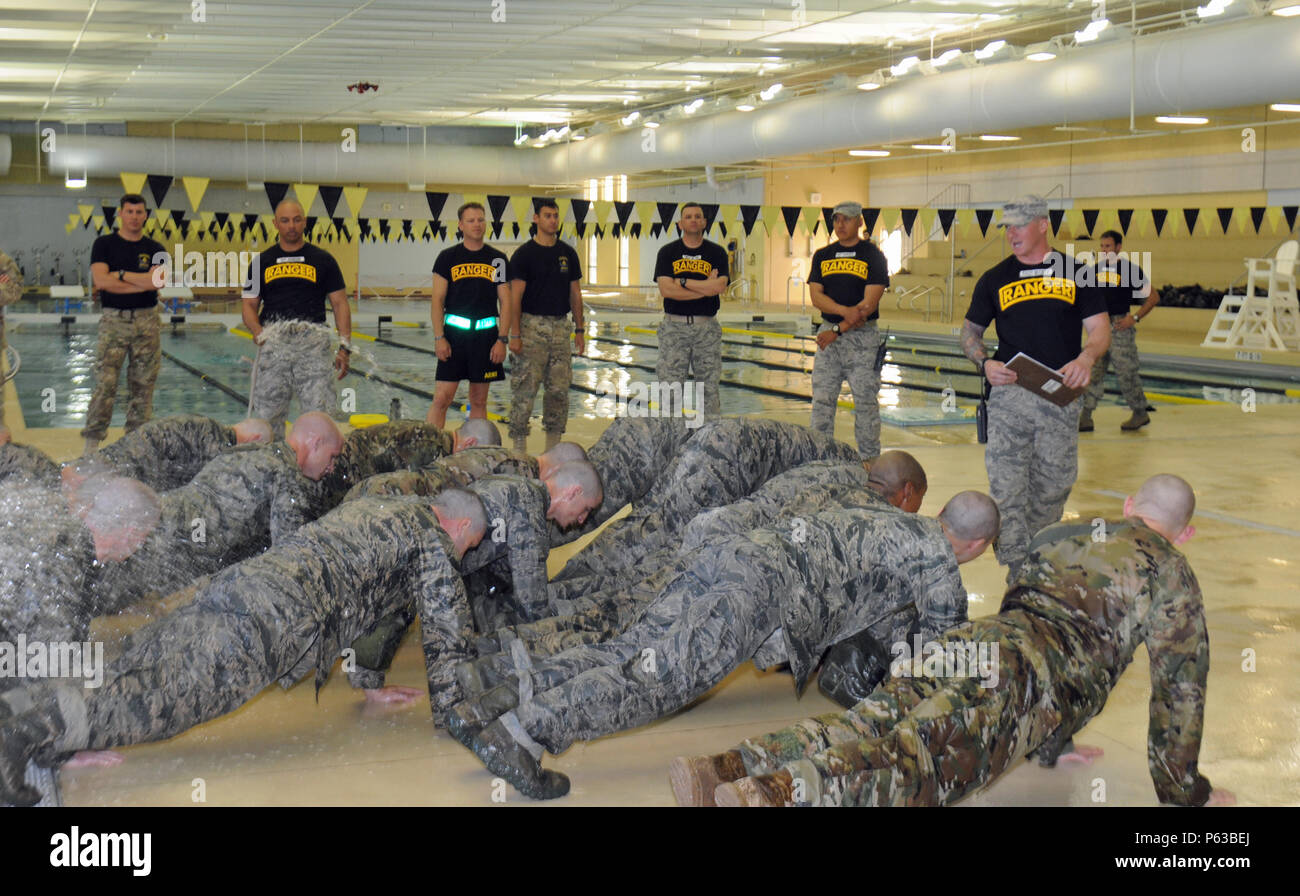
point(300, 362)
point(694, 633)
point(4, 366)
point(929, 741)
point(692, 352)
point(1032, 459)
point(546, 361)
point(1123, 354)
point(851, 357)
point(131, 337)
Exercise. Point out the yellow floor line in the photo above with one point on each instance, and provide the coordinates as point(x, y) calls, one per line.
point(1180, 399)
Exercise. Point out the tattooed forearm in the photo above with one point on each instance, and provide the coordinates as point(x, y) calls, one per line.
point(972, 343)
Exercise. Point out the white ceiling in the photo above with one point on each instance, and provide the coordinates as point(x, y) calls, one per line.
point(456, 62)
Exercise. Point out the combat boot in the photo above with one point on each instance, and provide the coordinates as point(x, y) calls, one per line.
point(1085, 421)
point(468, 718)
point(1137, 421)
point(760, 790)
point(478, 676)
point(21, 738)
point(508, 758)
point(695, 778)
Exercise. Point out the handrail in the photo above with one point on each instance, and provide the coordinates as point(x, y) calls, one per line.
point(1272, 251)
point(939, 200)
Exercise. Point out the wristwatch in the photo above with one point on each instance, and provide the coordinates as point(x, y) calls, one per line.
point(345, 347)
point(121, 275)
point(682, 281)
point(835, 328)
point(503, 340)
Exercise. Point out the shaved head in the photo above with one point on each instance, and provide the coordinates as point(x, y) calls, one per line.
point(253, 429)
point(972, 516)
point(289, 205)
point(1168, 500)
point(459, 504)
point(484, 432)
point(562, 453)
point(120, 514)
point(893, 470)
point(315, 441)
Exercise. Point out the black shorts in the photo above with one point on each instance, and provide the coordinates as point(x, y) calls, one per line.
point(470, 357)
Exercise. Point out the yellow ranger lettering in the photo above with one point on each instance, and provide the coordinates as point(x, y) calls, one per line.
point(691, 266)
point(1058, 288)
point(855, 266)
point(1108, 278)
point(473, 269)
point(291, 269)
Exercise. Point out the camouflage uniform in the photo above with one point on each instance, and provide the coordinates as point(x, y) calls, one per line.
point(276, 617)
point(851, 356)
point(546, 361)
point(692, 352)
point(23, 463)
point(10, 292)
point(300, 360)
point(724, 461)
point(123, 335)
point(1032, 461)
point(762, 593)
point(1067, 629)
point(1123, 353)
point(166, 454)
point(514, 548)
point(386, 448)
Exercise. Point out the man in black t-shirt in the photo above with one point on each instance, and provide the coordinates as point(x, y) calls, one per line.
point(544, 277)
point(692, 272)
point(1033, 448)
point(1122, 282)
point(284, 309)
point(121, 268)
point(470, 294)
point(848, 278)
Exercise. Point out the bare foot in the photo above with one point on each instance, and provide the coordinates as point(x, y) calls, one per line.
point(393, 695)
point(1221, 797)
point(95, 759)
point(1082, 754)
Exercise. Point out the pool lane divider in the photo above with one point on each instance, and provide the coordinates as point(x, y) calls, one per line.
point(211, 381)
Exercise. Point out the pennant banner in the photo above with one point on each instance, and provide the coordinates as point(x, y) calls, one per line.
point(195, 187)
point(133, 183)
point(330, 196)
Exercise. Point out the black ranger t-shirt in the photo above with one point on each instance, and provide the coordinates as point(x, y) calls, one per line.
point(294, 285)
point(1039, 311)
point(845, 271)
point(547, 272)
point(1121, 281)
point(124, 255)
point(472, 278)
point(676, 260)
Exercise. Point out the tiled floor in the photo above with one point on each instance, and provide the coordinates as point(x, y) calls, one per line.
point(288, 748)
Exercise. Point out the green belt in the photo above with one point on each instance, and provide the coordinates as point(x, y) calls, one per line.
point(464, 323)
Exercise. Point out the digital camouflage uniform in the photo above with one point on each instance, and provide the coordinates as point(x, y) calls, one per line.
point(276, 617)
point(546, 361)
point(1067, 629)
point(10, 292)
point(724, 461)
point(1123, 354)
point(1032, 459)
point(296, 359)
point(130, 337)
point(167, 453)
point(845, 571)
point(692, 352)
point(852, 357)
point(25, 464)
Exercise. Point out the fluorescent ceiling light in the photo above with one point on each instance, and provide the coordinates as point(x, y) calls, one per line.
point(869, 153)
point(1286, 107)
point(1182, 119)
point(1040, 52)
point(1213, 8)
point(1286, 11)
point(771, 92)
point(651, 123)
point(745, 106)
point(998, 138)
point(74, 182)
point(990, 49)
point(630, 118)
point(1091, 31)
point(693, 106)
point(579, 136)
point(945, 57)
point(905, 66)
point(869, 84)
point(934, 147)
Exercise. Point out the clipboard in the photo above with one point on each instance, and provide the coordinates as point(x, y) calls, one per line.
point(1043, 381)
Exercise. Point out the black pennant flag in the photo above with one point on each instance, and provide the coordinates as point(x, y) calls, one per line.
point(666, 212)
point(1288, 211)
point(909, 218)
point(496, 229)
point(1090, 218)
point(384, 228)
point(221, 218)
point(275, 193)
point(1158, 216)
point(749, 215)
point(498, 205)
point(1257, 216)
point(828, 215)
point(984, 217)
point(791, 215)
point(946, 216)
point(580, 208)
point(1190, 215)
point(1055, 216)
point(636, 230)
point(159, 184)
point(1125, 218)
point(710, 213)
point(178, 216)
point(1225, 218)
point(656, 229)
point(869, 216)
point(311, 227)
point(436, 203)
point(110, 214)
point(623, 210)
point(330, 196)
point(406, 229)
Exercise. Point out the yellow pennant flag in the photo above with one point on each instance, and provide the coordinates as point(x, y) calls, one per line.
point(645, 213)
point(133, 183)
point(965, 224)
point(1242, 217)
point(770, 215)
point(810, 216)
point(889, 218)
point(208, 218)
point(306, 194)
point(1272, 217)
point(73, 221)
point(523, 206)
point(565, 208)
point(195, 187)
point(84, 211)
point(98, 221)
point(926, 218)
point(728, 214)
point(355, 197)
point(603, 208)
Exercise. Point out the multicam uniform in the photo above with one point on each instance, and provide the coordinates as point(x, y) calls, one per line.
point(1122, 282)
point(1067, 629)
point(128, 332)
point(547, 273)
point(276, 617)
point(1032, 455)
point(166, 454)
point(844, 272)
point(386, 448)
point(791, 592)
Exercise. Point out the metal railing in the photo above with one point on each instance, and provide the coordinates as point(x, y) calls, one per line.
point(953, 196)
point(912, 296)
point(1272, 251)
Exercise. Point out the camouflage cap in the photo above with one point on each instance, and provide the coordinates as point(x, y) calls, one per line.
point(848, 209)
point(1019, 212)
